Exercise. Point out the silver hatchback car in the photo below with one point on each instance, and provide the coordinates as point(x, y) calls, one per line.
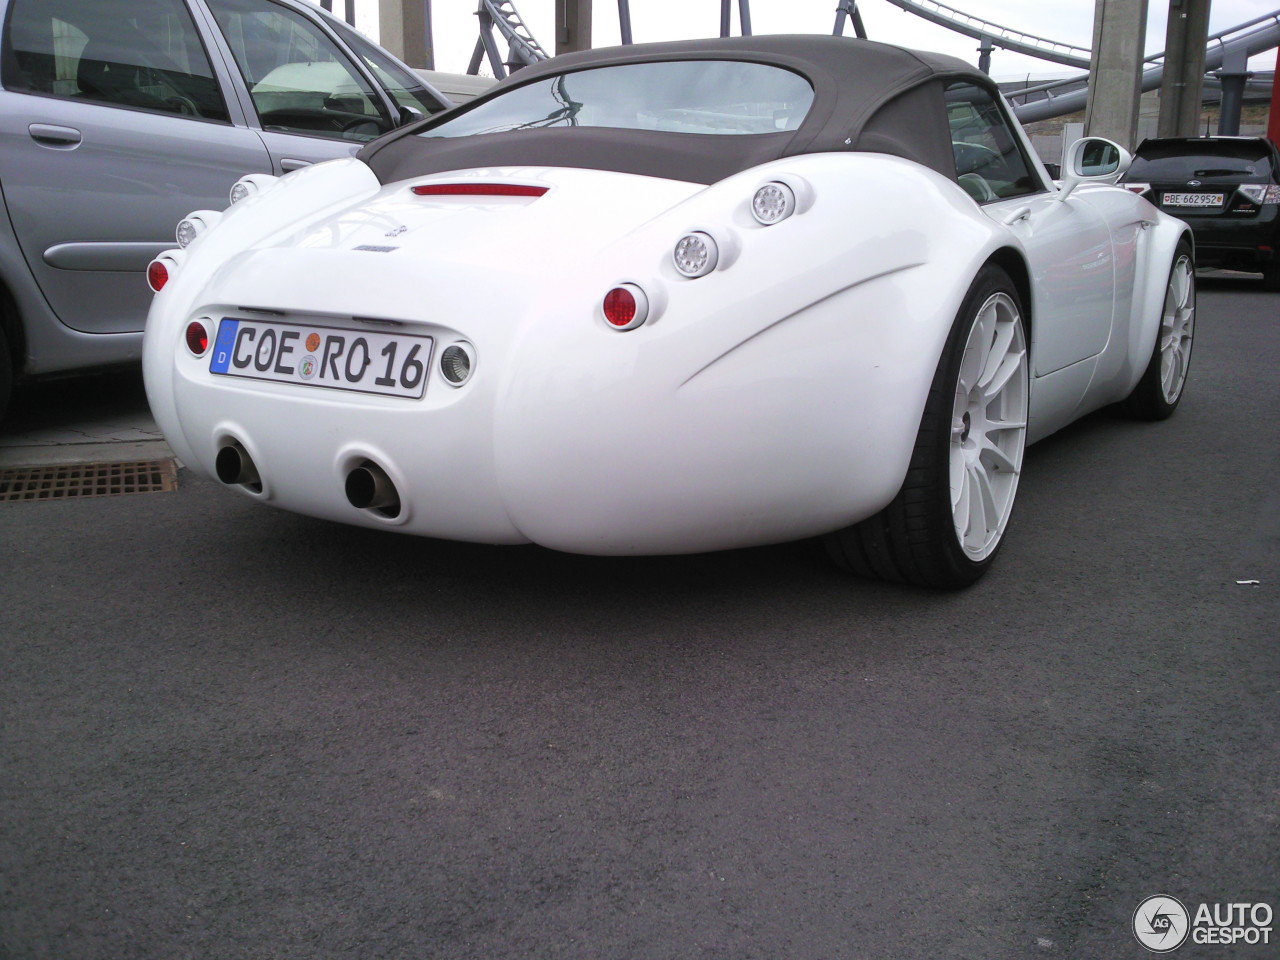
point(119, 117)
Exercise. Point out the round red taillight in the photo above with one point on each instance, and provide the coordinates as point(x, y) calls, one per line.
point(197, 338)
point(157, 275)
point(625, 307)
point(620, 306)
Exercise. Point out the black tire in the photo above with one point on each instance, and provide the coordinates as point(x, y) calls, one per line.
point(1163, 382)
point(915, 538)
point(1271, 278)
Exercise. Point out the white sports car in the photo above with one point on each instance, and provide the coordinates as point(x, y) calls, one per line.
point(672, 298)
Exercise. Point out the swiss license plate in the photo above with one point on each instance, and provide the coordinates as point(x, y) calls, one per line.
point(1194, 199)
point(366, 361)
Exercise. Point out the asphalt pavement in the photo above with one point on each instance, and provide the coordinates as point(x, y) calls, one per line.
point(231, 732)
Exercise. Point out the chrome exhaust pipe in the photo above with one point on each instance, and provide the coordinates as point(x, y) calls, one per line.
point(233, 465)
point(369, 488)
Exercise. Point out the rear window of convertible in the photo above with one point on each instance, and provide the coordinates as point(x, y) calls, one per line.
point(687, 96)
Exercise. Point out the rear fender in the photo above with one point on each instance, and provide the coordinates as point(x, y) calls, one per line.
point(1160, 242)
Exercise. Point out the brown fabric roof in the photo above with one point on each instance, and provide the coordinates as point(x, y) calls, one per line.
point(868, 96)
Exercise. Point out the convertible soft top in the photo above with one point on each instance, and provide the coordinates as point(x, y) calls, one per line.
point(868, 96)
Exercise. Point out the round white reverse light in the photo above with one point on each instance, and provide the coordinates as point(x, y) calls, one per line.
point(187, 231)
point(772, 203)
point(456, 364)
point(696, 255)
point(250, 184)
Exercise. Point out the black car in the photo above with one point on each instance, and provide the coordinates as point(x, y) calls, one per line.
point(1226, 188)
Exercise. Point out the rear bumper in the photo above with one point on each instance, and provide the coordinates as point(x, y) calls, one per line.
point(1237, 242)
point(583, 439)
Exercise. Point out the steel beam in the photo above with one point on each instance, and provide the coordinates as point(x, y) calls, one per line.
point(624, 21)
point(984, 55)
point(1234, 74)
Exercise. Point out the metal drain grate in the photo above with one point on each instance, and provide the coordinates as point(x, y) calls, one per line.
point(63, 481)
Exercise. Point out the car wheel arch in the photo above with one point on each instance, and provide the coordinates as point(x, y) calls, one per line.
point(1011, 261)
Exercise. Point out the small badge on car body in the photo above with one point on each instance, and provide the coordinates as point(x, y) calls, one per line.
point(373, 248)
point(1190, 183)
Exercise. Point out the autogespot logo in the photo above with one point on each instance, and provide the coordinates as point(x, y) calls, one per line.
point(1161, 924)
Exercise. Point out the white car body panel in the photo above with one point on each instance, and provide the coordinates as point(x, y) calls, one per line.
point(746, 411)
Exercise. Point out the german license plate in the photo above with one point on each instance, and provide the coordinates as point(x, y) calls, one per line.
point(1194, 199)
point(365, 361)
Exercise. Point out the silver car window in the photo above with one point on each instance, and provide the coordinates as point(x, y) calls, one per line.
point(298, 78)
point(990, 163)
point(139, 54)
point(406, 89)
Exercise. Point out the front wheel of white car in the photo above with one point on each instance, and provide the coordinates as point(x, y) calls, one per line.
point(946, 524)
point(1157, 394)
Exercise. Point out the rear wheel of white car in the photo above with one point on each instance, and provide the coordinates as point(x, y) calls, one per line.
point(946, 524)
point(1157, 394)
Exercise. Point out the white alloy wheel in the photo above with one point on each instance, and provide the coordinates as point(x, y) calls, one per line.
point(945, 526)
point(1177, 327)
point(988, 426)
point(1160, 388)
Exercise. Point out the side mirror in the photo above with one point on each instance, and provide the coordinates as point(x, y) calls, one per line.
point(1093, 160)
point(409, 115)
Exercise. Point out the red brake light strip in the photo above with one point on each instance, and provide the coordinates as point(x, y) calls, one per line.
point(477, 190)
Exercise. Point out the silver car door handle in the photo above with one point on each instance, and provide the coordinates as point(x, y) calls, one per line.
point(50, 135)
point(1022, 213)
point(288, 165)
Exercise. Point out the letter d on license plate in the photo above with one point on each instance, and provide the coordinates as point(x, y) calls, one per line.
point(391, 364)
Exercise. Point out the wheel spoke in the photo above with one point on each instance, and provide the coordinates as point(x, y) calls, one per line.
point(959, 490)
point(980, 506)
point(1001, 338)
point(996, 425)
point(974, 361)
point(997, 459)
point(1182, 283)
point(1000, 377)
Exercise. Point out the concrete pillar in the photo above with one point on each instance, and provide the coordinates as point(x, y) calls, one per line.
point(402, 29)
point(573, 25)
point(1115, 71)
point(1183, 83)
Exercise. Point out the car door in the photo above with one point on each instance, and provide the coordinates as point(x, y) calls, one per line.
point(310, 99)
point(113, 126)
point(1068, 244)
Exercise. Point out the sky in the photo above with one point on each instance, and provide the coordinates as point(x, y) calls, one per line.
point(455, 26)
